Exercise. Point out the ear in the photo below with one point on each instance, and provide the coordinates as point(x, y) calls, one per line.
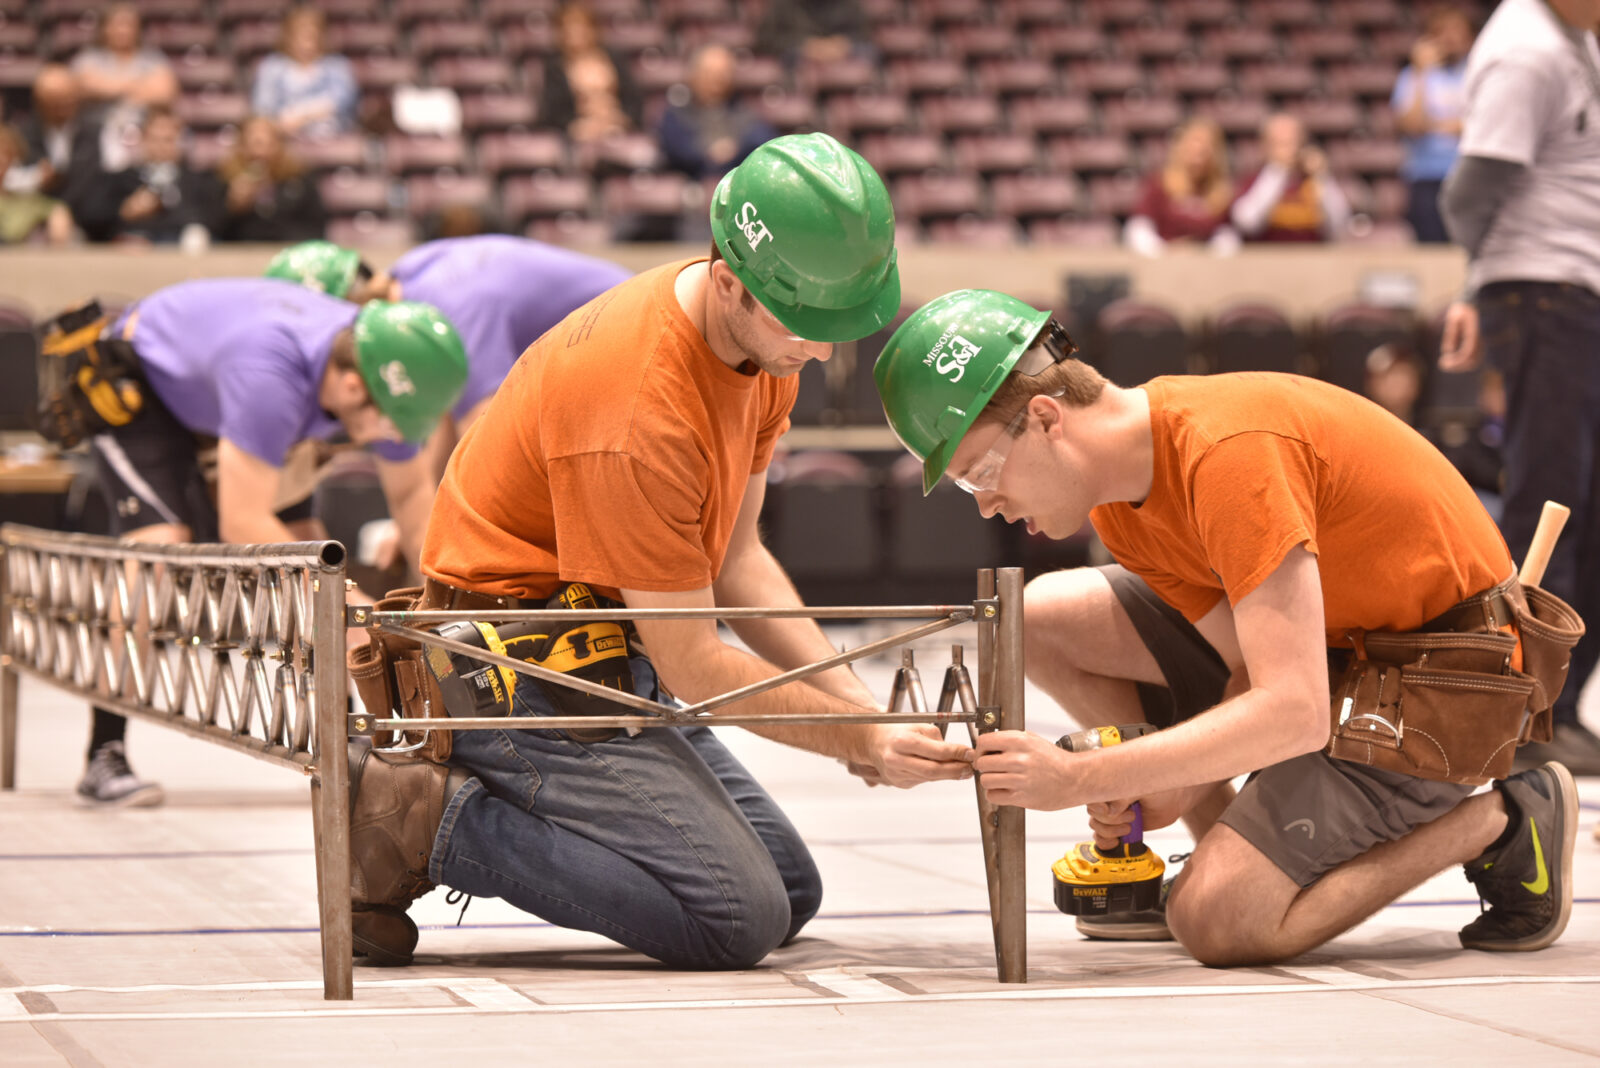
point(725, 283)
point(1049, 413)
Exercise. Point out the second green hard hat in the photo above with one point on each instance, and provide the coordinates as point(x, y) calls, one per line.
point(412, 361)
point(805, 223)
point(944, 363)
point(319, 265)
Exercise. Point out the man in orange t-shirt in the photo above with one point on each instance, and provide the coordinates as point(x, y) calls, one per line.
point(1258, 520)
point(627, 450)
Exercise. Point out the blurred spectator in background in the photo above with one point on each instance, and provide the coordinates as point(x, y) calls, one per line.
point(1394, 380)
point(1188, 199)
point(269, 196)
point(1292, 197)
point(705, 132)
point(1427, 103)
point(61, 146)
point(588, 90)
point(818, 31)
point(1524, 200)
point(124, 80)
point(160, 197)
point(302, 88)
point(460, 220)
point(22, 215)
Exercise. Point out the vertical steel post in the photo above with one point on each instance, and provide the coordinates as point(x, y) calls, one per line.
point(330, 782)
point(1011, 844)
point(8, 683)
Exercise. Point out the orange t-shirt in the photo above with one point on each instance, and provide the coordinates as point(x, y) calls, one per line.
point(1247, 466)
point(615, 453)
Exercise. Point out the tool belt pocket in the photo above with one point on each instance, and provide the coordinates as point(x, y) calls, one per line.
point(392, 681)
point(88, 383)
point(1441, 706)
point(1549, 628)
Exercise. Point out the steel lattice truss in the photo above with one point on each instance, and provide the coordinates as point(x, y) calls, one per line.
point(218, 640)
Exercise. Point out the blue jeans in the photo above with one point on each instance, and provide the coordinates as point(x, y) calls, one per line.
point(662, 842)
point(1545, 338)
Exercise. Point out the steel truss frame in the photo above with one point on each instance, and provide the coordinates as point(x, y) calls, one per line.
point(182, 635)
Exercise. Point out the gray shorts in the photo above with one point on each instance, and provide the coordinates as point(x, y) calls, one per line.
point(1308, 814)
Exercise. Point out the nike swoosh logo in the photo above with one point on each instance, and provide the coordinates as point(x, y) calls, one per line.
point(1541, 878)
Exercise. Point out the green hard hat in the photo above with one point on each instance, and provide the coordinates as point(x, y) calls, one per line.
point(412, 362)
point(806, 225)
point(319, 265)
point(944, 363)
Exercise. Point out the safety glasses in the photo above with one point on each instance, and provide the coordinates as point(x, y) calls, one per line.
point(984, 475)
point(770, 323)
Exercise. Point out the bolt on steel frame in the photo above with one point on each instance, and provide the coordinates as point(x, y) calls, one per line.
point(179, 635)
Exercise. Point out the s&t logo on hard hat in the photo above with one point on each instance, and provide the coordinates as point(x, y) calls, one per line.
point(949, 356)
point(755, 231)
point(395, 377)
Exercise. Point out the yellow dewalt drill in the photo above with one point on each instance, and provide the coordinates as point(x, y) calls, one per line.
point(1126, 878)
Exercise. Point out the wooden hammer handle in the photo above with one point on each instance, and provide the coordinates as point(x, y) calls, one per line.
point(1551, 520)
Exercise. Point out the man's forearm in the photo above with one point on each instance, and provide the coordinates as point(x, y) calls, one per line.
point(1241, 735)
point(1473, 194)
point(756, 579)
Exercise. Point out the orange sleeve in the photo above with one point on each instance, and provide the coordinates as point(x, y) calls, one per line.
point(1254, 499)
point(621, 524)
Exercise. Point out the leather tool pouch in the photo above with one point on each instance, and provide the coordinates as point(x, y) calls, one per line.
point(389, 675)
point(88, 383)
point(1448, 705)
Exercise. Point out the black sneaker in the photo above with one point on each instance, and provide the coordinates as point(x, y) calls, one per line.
point(1526, 884)
point(1144, 925)
point(110, 782)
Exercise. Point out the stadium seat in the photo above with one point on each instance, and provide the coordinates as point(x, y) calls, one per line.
point(1105, 75)
point(901, 152)
point(1201, 13)
point(543, 195)
point(407, 12)
point(617, 154)
point(1075, 233)
point(940, 537)
point(974, 231)
point(1191, 76)
point(369, 231)
point(978, 41)
point(829, 79)
point(345, 192)
point(332, 152)
point(1366, 156)
point(1286, 13)
point(176, 38)
point(527, 40)
point(573, 231)
point(361, 38)
point(1249, 336)
point(427, 194)
point(902, 40)
point(209, 148)
point(468, 73)
point(1115, 195)
point(229, 12)
point(1029, 15)
point(931, 196)
point(210, 110)
point(18, 36)
point(1139, 340)
point(197, 71)
point(1136, 113)
point(249, 41)
point(497, 111)
point(1050, 114)
point(1090, 154)
point(1326, 117)
point(1120, 12)
point(449, 38)
point(1153, 40)
point(788, 112)
point(1239, 41)
point(851, 115)
point(405, 154)
point(1239, 116)
point(996, 152)
point(1029, 197)
point(1277, 78)
point(633, 37)
point(1016, 76)
point(961, 113)
point(1361, 79)
point(522, 152)
point(823, 522)
point(927, 75)
point(383, 72)
point(497, 12)
point(754, 74)
point(1349, 333)
point(1065, 41)
point(656, 73)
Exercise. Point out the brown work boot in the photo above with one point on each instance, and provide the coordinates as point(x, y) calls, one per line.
point(396, 805)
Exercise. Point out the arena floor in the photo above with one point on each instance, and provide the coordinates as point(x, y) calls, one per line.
point(187, 934)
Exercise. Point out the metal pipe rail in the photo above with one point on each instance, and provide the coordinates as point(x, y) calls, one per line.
point(242, 645)
point(182, 635)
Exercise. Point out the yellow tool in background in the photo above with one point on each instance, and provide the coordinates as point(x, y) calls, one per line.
point(1126, 878)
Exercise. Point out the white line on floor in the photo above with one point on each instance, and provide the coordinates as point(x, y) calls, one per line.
point(888, 996)
point(490, 994)
point(11, 1006)
point(855, 987)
